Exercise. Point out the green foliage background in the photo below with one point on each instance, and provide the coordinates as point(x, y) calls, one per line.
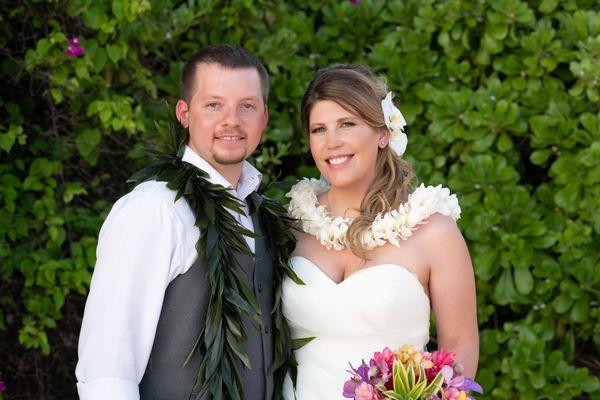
point(502, 99)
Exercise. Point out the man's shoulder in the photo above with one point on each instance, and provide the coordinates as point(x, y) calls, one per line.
point(155, 190)
point(157, 193)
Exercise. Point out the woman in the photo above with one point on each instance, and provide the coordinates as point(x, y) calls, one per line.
point(375, 256)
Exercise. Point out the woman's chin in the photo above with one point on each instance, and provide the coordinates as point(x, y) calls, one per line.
point(342, 181)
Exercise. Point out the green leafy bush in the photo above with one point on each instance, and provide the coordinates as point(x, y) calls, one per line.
point(503, 104)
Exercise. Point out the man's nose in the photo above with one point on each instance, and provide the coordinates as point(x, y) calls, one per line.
point(231, 117)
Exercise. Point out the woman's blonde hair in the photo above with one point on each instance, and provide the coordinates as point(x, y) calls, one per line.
point(360, 92)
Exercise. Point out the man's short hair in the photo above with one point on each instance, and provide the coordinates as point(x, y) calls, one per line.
point(225, 55)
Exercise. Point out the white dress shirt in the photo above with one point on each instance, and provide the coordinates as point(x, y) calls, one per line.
point(146, 241)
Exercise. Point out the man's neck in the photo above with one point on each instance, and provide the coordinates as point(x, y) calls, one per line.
point(230, 172)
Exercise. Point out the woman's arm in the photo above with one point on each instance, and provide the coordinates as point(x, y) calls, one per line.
point(452, 292)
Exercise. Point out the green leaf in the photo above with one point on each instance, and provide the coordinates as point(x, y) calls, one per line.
point(523, 279)
point(42, 47)
point(539, 157)
point(113, 52)
point(504, 290)
point(87, 141)
point(581, 310)
point(119, 9)
point(562, 303)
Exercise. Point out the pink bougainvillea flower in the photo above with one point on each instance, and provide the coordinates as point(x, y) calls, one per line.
point(2, 385)
point(354, 1)
point(74, 49)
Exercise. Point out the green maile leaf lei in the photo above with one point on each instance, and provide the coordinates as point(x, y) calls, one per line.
point(221, 340)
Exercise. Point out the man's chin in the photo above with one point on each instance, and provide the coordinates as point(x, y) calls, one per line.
point(229, 159)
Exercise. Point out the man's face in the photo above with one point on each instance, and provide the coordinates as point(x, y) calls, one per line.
point(226, 114)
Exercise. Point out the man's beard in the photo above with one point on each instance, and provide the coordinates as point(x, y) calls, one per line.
point(230, 157)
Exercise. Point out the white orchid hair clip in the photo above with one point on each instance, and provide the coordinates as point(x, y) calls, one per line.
point(395, 122)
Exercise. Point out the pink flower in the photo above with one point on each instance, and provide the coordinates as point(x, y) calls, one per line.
point(440, 359)
point(366, 392)
point(386, 356)
point(74, 49)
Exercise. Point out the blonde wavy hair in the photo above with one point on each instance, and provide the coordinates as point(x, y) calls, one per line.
point(359, 91)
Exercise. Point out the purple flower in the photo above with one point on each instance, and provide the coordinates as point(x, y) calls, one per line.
point(2, 386)
point(470, 384)
point(360, 374)
point(379, 372)
point(458, 382)
point(354, 1)
point(450, 379)
point(74, 49)
point(376, 373)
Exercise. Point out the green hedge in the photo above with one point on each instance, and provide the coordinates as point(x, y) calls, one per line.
point(502, 98)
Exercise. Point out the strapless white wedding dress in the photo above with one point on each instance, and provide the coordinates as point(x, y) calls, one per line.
point(378, 306)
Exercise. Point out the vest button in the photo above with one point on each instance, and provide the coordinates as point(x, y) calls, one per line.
point(266, 330)
point(260, 288)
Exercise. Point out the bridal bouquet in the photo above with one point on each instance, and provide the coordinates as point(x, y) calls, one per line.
point(408, 374)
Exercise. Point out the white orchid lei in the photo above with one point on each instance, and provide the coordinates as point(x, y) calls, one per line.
point(395, 122)
point(392, 226)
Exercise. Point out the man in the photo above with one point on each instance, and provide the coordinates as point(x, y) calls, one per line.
point(149, 292)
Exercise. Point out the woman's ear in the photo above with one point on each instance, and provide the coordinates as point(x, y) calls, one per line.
point(384, 137)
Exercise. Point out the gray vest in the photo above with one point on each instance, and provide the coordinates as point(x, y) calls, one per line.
point(182, 319)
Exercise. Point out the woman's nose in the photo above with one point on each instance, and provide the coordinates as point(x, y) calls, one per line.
point(333, 139)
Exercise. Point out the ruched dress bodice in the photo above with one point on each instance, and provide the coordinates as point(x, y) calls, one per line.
point(377, 306)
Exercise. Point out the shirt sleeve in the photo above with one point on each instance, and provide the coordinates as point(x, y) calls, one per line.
point(136, 256)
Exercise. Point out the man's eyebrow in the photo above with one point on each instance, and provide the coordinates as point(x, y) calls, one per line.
point(218, 97)
point(256, 98)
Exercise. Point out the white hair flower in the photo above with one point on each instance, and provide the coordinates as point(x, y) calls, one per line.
point(395, 122)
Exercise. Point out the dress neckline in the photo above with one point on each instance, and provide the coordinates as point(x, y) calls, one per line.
point(360, 271)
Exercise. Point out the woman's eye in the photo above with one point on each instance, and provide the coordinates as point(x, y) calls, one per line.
point(317, 130)
point(213, 105)
point(348, 124)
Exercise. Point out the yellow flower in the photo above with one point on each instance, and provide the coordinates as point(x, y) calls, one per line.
point(408, 355)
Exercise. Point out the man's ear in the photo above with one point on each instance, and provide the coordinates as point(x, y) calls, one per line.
point(266, 116)
point(181, 111)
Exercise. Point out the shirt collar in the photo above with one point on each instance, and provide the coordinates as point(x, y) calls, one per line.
point(249, 179)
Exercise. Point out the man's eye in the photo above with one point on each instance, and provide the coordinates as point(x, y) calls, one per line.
point(212, 105)
point(248, 106)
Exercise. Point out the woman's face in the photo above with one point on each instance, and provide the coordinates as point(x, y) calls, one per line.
point(343, 145)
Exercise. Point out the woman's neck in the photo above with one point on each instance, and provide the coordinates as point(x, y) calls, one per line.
point(344, 201)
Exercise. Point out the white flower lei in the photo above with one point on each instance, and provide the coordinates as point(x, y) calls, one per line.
point(396, 224)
